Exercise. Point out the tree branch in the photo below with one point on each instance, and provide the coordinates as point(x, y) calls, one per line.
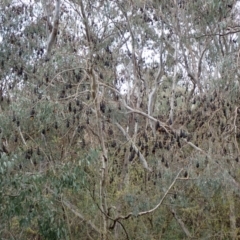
point(74, 210)
point(156, 207)
point(181, 223)
point(141, 157)
point(54, 32)
point(162, 124)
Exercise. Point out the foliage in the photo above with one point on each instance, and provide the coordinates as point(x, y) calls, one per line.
point(127, 128)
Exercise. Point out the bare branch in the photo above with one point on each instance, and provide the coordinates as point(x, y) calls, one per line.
point(162, 124)
point(157, 206)
point(152, 94)
point(20, 132)
point(172, 99)
point(164, 196)
point(200, 62)
point(195, 147)
point(85, 21)
point(141, 157)
point(53, 34)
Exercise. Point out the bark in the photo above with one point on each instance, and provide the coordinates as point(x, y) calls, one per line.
point(104, 156)
point(172, 99)
point(232, 216)
point(54, 32)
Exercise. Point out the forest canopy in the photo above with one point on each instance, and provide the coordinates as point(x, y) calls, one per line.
point(119, 119)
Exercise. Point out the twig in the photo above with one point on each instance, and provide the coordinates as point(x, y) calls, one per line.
point(153, 209)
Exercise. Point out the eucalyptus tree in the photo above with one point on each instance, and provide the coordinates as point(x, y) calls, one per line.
point(110, 109)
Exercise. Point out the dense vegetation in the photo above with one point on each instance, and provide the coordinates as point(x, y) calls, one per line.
point(119, 119)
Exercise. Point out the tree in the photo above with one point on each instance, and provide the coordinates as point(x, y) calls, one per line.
point(83, 159)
